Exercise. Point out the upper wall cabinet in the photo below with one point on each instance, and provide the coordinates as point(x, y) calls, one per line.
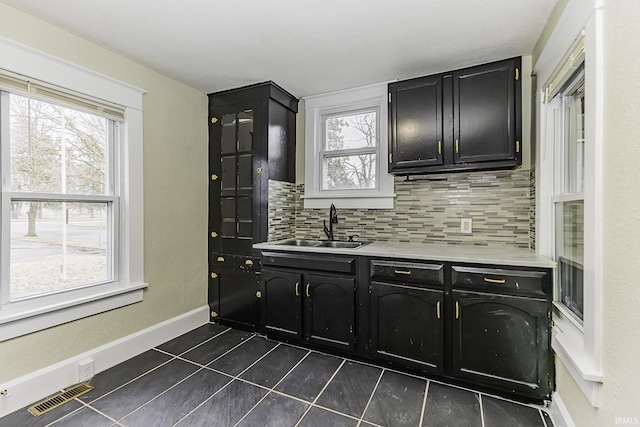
point(463, 120)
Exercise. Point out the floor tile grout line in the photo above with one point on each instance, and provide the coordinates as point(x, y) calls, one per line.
point(373, 392)
point(321, 391)
point(83, 405)
point(193, 362)
point(133, 379)
point(544, 422)
point(424, 402)
point(204, 342)
point(272, 388)
point(203, 402)
point(259, 359)
point(161, 393)
point(233, 378)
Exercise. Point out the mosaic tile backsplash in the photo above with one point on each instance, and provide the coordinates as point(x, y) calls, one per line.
point(425, 211)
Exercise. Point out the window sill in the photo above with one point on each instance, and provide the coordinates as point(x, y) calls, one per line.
point(567, 341)
point(20, 323)
point(349, 201)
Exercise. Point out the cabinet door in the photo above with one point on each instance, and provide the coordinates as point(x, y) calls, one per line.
point(485, 101)
point(415, 127)
point(329, 311)
point(282, 303)
point(234, 196)
point(407, 325)
point(502, 341)
point(232, 292)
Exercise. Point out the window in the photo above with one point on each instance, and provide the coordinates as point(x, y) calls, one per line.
point(349, 150)
point(61, 193)
point(345, 142)
point(568, 108)
point(569, 189)
point(71, 194)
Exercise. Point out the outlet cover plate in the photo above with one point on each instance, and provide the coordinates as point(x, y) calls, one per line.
point(85, 370)
point(466, 226)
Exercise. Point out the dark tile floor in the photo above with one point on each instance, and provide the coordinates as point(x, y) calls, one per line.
point(216, 376)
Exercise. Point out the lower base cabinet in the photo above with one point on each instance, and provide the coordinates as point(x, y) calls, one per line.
point(302, 305)
point(407, 325)
point(502, 341)
point(233, 291)
point(484, 325)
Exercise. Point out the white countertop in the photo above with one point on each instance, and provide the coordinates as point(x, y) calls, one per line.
point(431, 252)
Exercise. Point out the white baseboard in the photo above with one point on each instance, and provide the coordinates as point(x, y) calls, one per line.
point(37, 385)
point(559, 413)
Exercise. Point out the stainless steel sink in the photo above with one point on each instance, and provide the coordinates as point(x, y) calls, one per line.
point(321, 243)
point(300, 242)
point(339, 244)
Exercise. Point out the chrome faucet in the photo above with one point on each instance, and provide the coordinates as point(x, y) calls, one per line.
point(333, 219)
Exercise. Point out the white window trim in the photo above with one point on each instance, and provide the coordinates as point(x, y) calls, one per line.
point(40, 313)
point(316, 106)
point(577, 346)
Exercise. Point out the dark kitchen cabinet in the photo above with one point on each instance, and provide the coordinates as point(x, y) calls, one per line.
point(407, 313)
point(233, 287)
point(407, 325)
point(251, 142)
point(467, 119)
point(315, 307)
point(501, 329)
point(415, 123)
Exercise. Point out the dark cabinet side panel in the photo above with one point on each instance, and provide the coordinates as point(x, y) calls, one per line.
point(329, 311)
point(502, 341)
point(407, 325)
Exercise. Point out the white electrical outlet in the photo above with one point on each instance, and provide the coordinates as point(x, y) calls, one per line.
point(85, 370)
point(466, 226)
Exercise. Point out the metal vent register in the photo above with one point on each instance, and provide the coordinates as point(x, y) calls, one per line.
point(60, 399)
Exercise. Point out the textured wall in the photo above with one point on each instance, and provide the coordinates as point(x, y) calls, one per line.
point(619, 402)
point(175, 202)
point(429, 211)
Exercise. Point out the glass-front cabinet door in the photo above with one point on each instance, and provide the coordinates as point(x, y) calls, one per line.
point(234, 189)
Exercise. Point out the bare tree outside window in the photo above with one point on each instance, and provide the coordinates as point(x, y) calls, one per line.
point(349, 154)
point(56, 151)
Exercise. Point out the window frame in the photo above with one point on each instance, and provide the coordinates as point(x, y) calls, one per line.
point(578, 346)
point(317, 108)
point(36, 313)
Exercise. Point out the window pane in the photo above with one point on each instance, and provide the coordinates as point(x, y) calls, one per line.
point(574, 137)
point(349, 172)
point(570, 253)
point(350, 131)
point(56, 246)
point(49, 157)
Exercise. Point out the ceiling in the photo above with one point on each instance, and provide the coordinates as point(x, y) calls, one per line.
point(306, 46)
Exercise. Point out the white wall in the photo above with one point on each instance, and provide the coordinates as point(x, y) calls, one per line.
point(620, 392)
point(175, 201)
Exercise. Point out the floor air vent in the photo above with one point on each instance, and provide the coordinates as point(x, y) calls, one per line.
point(60, 399)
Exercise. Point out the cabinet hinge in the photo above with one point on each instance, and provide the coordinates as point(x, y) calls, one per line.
point(214, 120)
point(517, 146)
point(517, 73)
point(389, 97)
point(390, 157)
point(259, 170)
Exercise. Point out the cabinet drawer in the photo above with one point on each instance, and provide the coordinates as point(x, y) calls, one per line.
point(408, 272)
point(497, 280)
point(329, 263)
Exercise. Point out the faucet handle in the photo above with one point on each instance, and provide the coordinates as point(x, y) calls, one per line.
point(352, 237)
